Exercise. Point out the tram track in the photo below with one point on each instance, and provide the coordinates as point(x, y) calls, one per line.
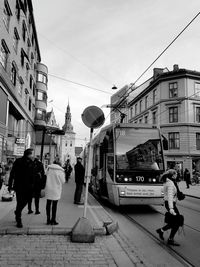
point(178, 256)
point(170, 249)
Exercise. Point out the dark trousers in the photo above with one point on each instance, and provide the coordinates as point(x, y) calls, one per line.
point(174, 227)
point(36, 196)
point(22, 200)
point(78, 192)
point(187, 183)
point(51, 212)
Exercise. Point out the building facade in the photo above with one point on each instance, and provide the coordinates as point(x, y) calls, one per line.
point(171, 100)
point(23, 79)
point(68, 140)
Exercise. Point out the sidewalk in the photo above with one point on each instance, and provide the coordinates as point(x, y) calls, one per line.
point(67, 215)
point(193, 191)
point(38, 244)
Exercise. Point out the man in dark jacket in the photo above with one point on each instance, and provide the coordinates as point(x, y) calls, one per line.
point(79, 180)
point(22, 181)
point(39, 183)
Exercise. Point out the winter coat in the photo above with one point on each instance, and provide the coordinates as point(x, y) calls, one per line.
point(187, 176)
point(39, 176)
point(22, 175)
point(170, 192)
point(55, 179)
point(79, 173)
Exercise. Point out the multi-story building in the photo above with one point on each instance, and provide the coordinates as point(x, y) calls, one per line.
point(171, 100)
point(23, 79)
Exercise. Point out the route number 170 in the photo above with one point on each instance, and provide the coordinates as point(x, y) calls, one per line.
point(139, 178)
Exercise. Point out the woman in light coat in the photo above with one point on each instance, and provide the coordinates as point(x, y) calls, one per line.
point(55, 179)
point(170, 199)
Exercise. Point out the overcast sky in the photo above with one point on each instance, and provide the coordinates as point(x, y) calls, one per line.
point(104, 42)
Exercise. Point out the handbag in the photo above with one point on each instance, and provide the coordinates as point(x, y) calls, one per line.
point(180, 195)
point(177, 219)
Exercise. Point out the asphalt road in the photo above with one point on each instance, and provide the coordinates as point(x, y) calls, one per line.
point(149, 218)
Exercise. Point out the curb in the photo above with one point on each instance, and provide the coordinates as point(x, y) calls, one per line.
point(46, 231)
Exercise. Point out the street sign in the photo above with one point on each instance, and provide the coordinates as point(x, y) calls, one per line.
point(93, 117)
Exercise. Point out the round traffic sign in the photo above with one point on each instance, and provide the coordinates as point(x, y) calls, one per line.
point(93, 117)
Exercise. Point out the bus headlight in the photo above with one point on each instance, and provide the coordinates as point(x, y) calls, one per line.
point(121, 192)
point(154, 180)
point(125, 179)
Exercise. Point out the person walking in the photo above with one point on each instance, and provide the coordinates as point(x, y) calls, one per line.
point(79, 180)
point(55, 178)
point(170, 199)
point(187, 178)
point(68, 170)
point(22, 182)
point(39, 178)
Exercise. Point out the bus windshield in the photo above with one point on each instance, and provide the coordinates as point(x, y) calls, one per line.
point(138, 149)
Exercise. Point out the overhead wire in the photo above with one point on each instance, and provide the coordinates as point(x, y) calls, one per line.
point(131, 88)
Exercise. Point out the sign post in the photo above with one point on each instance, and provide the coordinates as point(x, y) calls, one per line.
point(82, 231)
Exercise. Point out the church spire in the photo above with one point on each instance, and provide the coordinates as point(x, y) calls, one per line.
point(68, 126)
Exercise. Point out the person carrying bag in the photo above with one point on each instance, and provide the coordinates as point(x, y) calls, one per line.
point(173, 218)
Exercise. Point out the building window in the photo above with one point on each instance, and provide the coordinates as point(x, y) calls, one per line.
point(29, 104)
point(140, 120)
point(15, 40)
point(32, 39)
point(198, 141)
point(33, 110)
point(146, 102)
point(197, 89)
point(40, 114)
point(28, 47)
point(20, 87)
point(131, 112)
point(173, 114)
point(154, 118)
point(146, 119)
point(71, 143)
point(154, 96)
point(17, 11)
point(174, 140)
point(197, 114)
point(6, 14)
point(31, 82)
point(24, 31)
point(34, 89)
point(135, 121)
point(66, 143)
point(173, 90)
point(41, 77)
point(27, 70)
point(13, 74)
point(40, 96)
point(140, 106)
point(26, 97)
point(135, 109)
point(32, 58)
point(4, 54)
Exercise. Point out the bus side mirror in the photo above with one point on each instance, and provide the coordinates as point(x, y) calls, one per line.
point(165, 143)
